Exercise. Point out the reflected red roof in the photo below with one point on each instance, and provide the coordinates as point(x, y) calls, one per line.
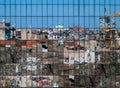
point(7, 42)
point(27, 43)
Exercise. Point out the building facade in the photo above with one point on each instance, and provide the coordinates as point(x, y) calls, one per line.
point(7, 31)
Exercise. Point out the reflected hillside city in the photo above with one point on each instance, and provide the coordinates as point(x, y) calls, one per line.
point(59, 43)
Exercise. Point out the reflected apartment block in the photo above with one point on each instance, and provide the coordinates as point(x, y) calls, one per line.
point(7, 31)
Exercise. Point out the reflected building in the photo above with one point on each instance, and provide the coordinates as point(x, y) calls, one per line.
point(7, 31)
